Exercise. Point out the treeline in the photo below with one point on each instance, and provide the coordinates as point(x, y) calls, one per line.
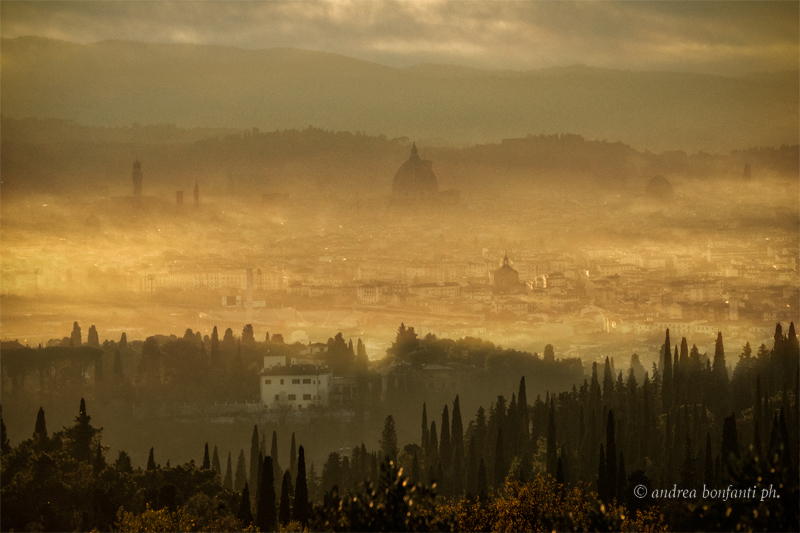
point(570, 461)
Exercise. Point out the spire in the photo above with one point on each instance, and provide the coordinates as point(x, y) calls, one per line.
point(505, 257)
point(414, 150)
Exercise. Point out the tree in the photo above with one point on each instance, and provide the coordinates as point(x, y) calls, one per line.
point(611, 458)
point(227, 483)
point(499, 473)
point(276, 469)
point(215, 462)
point(552, 452)
point(302, 506)
point(5, 446)
point(81, 436)
point(206, 458)
point(293, 458)
point(241, 473)
point(483, 485)
point(245, 515)
point(151, 460)
point(266, 512)
point(247, 335)
point(388, 441)
point(445, 448)
point(255, 453)
point(425, 432)
point(123, 341)
point(285, 513)
point(40, 429)
point(667, 377)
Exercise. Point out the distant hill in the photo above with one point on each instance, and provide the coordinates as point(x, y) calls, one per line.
point(115, 83)
point(57, 155)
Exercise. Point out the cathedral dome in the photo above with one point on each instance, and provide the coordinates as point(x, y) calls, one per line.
point(415, 178)
point(506, 278)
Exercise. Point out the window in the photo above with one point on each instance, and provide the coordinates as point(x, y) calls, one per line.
point(306, 396)
point(296, 381)
point(267, 382)
point(281, 382)
point(306, 381)
point(277, 397)
point(292, 397)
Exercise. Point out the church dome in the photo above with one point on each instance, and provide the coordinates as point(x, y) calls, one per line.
point(415, 178)
point(506, 278)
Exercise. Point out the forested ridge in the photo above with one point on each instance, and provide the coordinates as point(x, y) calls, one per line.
point(573, 460)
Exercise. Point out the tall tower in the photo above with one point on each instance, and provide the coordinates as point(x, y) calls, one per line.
point(137, 178)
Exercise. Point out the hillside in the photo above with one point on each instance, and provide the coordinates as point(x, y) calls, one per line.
point(117, 83)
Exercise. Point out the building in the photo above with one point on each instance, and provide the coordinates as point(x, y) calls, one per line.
point(506, 279)
point(415, 178)
point(295, 387)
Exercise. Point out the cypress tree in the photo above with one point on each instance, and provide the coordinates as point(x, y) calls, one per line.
point(215, 462)
point(302, 506)
point(708, 466)
point(611, 458)
point(206, 459)
point(123, 341)
point(151, 460)
point(457, 433)
point(415, 470)
point(499, 474)
point(483, 486)
point(255, 452)
point(688, 474)
point(472, 469)
point(666, 378)
point(245, 515)
point(756, 439)
point(214, 346)
point(730, 440)
point(552, 452)
point(293, 458)
point(445, 446)
point(602, 491)
point(560, 472)
point(786, 440)
point(443, 485)
point(241, 473)
point(389, 439)
point(266, 512)
point(457, 476)
point(99, 460)
point(227, 483)
point(277, 471)
point(433, 453)
point(41, 427)
point(622, 478)
point(425, 435)
point(524, 418)
point(285, 514)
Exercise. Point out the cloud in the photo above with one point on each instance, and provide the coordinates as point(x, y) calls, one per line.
point(714, 37)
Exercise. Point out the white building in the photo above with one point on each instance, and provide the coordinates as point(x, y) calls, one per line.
point(296, 387)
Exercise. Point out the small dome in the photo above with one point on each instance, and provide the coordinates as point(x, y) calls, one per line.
point(659, 188)
point(415, 178)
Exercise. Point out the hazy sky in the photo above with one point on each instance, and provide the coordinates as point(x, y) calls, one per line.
point(713, 37)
